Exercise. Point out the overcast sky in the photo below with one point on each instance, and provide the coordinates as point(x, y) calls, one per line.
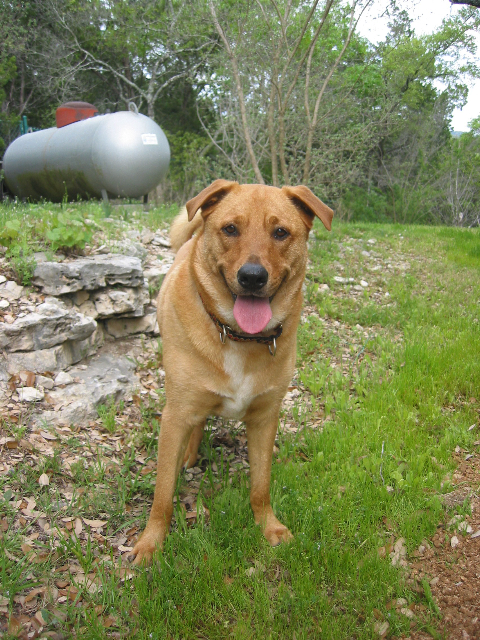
point(427, 16)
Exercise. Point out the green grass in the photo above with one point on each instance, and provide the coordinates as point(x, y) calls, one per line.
point(400, 398)
point(26, 228)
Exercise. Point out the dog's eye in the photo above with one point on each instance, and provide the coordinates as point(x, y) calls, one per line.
point(230, 230)
point(280, 233)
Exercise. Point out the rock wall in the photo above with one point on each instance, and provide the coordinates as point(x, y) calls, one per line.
point(77, 314)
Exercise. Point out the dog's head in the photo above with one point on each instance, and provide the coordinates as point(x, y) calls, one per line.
point(254, 240)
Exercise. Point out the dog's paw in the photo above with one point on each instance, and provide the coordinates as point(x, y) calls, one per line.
point(277, 534)
point(143, 551)
point(190, 459)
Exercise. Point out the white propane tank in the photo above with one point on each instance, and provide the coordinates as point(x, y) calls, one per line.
point(123, 154)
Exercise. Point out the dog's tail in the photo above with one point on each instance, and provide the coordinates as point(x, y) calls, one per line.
point(182, 230)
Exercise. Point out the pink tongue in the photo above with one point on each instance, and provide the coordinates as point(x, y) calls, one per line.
point(252, 314)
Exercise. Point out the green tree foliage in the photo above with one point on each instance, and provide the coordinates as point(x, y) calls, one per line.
point(274, 91)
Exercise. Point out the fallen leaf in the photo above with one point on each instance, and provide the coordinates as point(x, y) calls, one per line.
point(33, 593)
point(43, 556)
point(60, 615)
point(14, 626)
point(109, 621)
point(47, 435)
point(40, 618)
point(78, 527)
point(25, 444)
point(381, 628)
point(96, 524)
point(13, 381)
point(61, 584)
point(26, 548)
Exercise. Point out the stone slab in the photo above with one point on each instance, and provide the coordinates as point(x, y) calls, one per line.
point(49, 325)
point(59, 278)
point(129, 301)
point(122, 327)
point(54, 359)
point(107, 378)
point(10, 290)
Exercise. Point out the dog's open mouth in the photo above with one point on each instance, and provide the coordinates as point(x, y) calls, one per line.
point(252, 314)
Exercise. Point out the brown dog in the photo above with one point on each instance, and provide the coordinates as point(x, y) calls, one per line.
point(228, 313)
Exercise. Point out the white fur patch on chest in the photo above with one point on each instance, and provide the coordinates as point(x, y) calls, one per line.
point(240, 390)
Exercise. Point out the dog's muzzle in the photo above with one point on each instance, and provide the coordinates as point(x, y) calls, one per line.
point(252, 277)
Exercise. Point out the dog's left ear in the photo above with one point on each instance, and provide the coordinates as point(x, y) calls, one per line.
point(309, 206)
point(209, 197)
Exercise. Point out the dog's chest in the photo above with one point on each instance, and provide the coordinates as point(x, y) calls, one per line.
point(240, 389)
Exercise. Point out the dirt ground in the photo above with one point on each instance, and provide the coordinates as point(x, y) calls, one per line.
point(450, 561)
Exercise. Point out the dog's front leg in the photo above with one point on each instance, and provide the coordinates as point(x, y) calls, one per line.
point(261, 431)
point(175, 432)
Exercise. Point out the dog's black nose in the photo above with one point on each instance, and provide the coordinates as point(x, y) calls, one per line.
point(252, 276)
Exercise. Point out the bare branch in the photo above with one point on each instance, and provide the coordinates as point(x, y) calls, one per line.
point(241, 98)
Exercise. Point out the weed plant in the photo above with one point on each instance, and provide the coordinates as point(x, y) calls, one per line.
point(27, 228)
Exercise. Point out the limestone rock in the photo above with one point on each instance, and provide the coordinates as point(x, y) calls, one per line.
point(88, 309)
point(88, 273)
point(130, 248)
point(56, 358)
point(122, 327)
point(113, 302)
point(161, 241)
point(29, 394)
point(44, 381)
point(156, 275)
point(79, 297)
point(107, 378)
point(147, 236)
point(63, 378)
point(48, 326)
point(79, 349)
point(10, 290)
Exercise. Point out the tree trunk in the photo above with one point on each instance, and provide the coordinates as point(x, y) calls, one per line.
point(241, 98)
point(314, 119)
point(272, 137)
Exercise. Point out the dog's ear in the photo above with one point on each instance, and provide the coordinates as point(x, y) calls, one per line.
point(209, 197)
point(309, 206)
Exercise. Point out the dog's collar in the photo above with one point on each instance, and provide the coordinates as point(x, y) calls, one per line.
point(227, 332)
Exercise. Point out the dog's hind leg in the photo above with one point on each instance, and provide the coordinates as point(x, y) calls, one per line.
point(191, 454)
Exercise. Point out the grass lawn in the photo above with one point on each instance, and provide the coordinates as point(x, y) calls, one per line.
point(387, 386)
